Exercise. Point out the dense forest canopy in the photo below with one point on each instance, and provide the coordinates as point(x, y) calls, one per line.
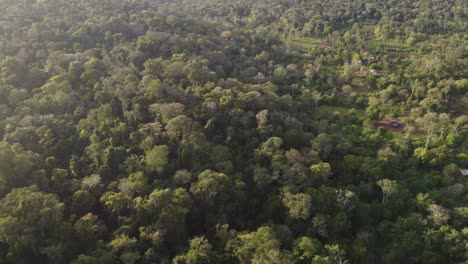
point(243, 131)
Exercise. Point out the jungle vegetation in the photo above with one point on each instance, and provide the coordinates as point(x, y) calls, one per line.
point(241, 131)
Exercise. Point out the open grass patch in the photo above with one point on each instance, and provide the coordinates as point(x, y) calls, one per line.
point(387, 45)
point(341, 110)
point(305, 44)
point(417, 139)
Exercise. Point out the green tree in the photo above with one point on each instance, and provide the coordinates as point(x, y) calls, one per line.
point(438, 214)
point(321, 171)
point(89, 230)
point(305, 248)
point(259, 247)
point(31, 225)
point(16, 164)
point(388, 187)
point(298, 204)
point(168, 209)
point(200, 252)
point(212, 187)
point(82, 202)
point(116, 202)
point(179, 127)
point(316, 96)
point(125, 247)
point(157, 158)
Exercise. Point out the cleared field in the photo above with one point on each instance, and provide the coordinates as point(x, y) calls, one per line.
point(331, 109)
point(387, 45)
point(305, 44)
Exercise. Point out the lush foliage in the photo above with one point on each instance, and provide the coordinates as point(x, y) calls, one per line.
point(208, 131)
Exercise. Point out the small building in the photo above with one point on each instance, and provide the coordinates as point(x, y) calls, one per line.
point(464, 173)
point(395, 123)
point(391, 124)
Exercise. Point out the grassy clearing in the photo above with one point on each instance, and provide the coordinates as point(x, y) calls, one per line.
point(387, 45)
point(331, 109)
point(305, 44)
point(418, 139)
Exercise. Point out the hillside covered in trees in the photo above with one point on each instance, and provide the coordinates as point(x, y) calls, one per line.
point(243, 131)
